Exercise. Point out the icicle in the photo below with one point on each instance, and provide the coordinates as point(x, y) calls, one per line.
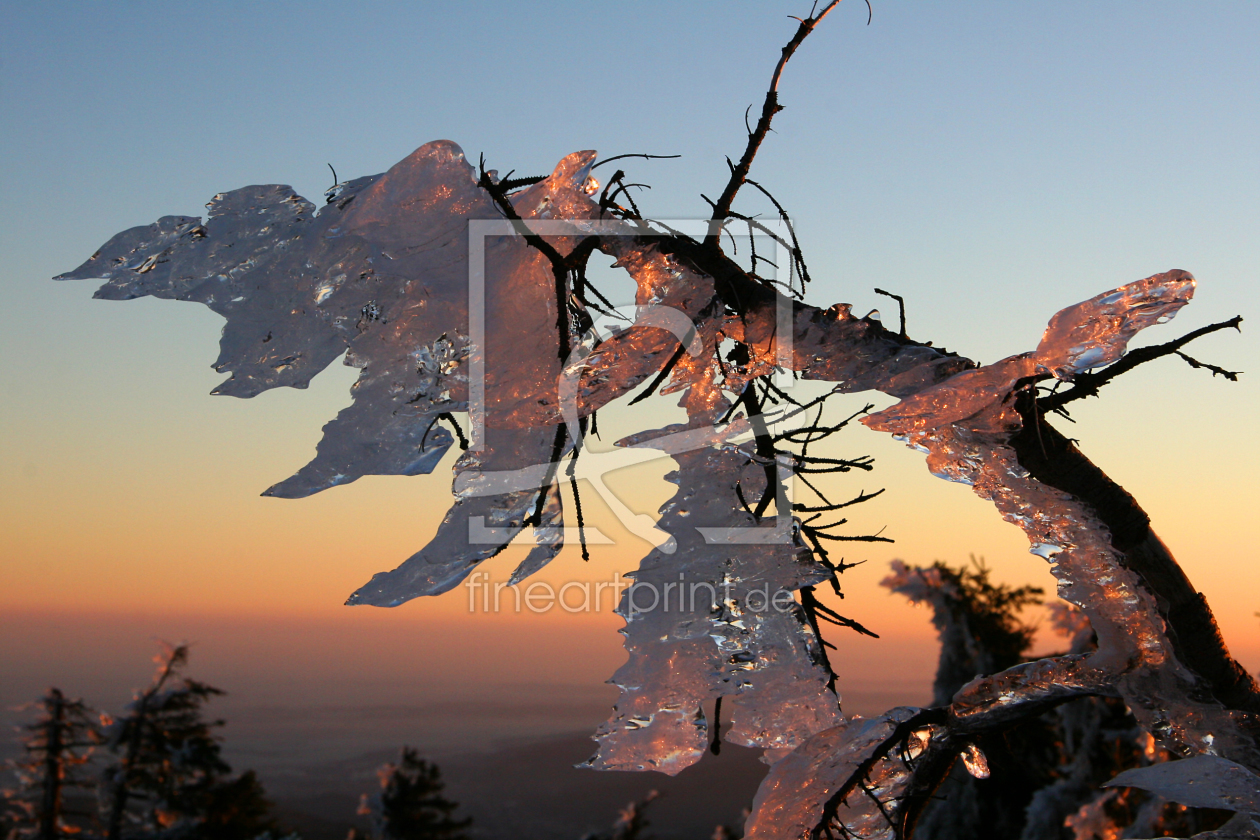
point(714, 619)
point(975, 762)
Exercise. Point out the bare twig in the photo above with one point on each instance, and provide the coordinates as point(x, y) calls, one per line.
point(577, 496)
point(600, 163)
point(498, 194)
point(811, 606)
point(901, 305)
point(771, 106)
point(661, 376)
point(835, 618)
point(765, 448)
point(1231, 375)
point(450, 418)
point(798, 258)
point(900, 733)
point(557, 449)
point(716, 746)
point(863, 496)
point(559, 267)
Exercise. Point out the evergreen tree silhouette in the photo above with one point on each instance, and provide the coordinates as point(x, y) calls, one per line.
point(236, 809)
point(410, 805)
point(168, 778)
point(55, 751)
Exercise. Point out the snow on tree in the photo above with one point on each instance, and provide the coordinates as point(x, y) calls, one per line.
point(980, 634)
point(55, 751)
point(454, 290)
point(166, 777)
point(1045, 772)
point(632, 822)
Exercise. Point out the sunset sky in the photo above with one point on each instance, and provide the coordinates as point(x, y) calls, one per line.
point(991, 162)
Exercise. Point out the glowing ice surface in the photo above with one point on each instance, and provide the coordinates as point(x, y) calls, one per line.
point(792, 799)
point(382, 274)
point(716, 619)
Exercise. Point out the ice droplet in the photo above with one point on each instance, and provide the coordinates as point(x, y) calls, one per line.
point(975, 762)
point(1045, 550)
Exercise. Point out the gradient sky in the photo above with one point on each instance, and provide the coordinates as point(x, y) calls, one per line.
point(992, 162)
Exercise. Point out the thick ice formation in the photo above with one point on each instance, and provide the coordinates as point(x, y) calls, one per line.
point(382, 274)
point(1087, 335)
point(478, 524)
point(1201, 781)
point(792, 800)
point(715, 620)
point(975, 762)
point(299, 289)
point(1133, 649)
point(962, 424)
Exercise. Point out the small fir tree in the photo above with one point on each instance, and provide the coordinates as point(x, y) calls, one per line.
point(168, 778)
point(55, 750)
point(981, 633)
point(977, 620)
point(237, 808)
point(410, 805)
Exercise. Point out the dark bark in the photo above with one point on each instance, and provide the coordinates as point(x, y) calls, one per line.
point(54, 749)
point(1052, 459)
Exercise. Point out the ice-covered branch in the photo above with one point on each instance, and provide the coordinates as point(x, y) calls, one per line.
point(904, 755)
point(384, 270)
point(1087, 384)
point(1159, 648)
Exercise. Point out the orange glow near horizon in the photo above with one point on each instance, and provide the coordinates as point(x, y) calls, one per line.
point(171, 529)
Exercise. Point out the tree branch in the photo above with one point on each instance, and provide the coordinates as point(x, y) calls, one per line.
point(901, 307)
point(771, 106)
point(1087, 384)
point(985, 706)
point(1051, 459)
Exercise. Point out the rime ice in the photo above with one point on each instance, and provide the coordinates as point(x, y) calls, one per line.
point(381, 275)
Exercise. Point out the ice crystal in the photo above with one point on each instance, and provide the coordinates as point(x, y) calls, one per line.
point(1086, 335)
point(715, 619)
point(959, 422)
point(382, 274)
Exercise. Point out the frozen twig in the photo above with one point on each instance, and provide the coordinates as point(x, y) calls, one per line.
point(901, 307)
